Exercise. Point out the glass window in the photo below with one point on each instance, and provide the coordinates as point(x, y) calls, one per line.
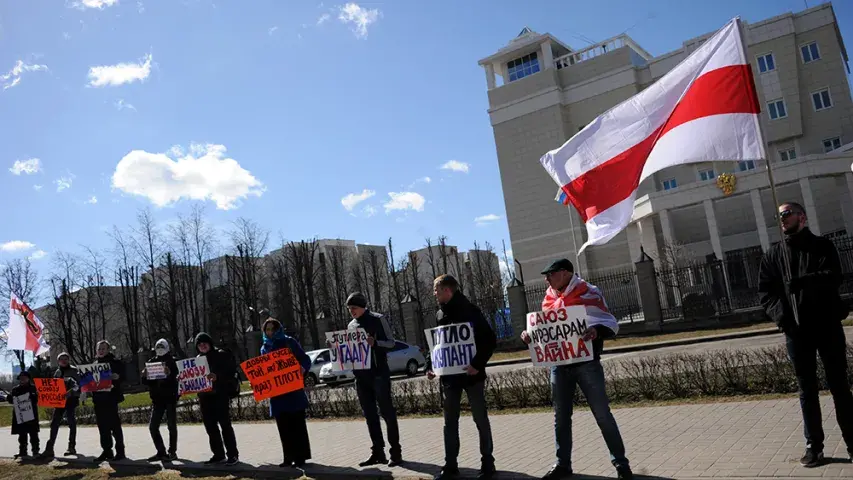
point(766, 63)
point(776, 109)
point(523, 67)
point(810, 52)
point(707, 174)
point(669, 184)
point(745, 165)
point(788, 154)
point(821, 99)
point(831, 144)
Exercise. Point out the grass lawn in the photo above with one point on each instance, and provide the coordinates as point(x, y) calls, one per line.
point(11, 470)
point(626, 341)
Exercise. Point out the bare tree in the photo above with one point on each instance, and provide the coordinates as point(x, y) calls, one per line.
point(419, 290)
point(127, 276)
point(300, 258)
point(394, 275)
point(149, 247)
point(339, 261)
point(376, 272)
point(17, 277)
point(249, 242)
point(431, 261)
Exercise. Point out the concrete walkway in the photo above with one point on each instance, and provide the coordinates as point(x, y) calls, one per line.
point(725, 440)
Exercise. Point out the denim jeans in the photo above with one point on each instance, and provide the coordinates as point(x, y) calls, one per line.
point(168, 409)
point(373, 390)
point(803, 349)
point(452, 406)
point(590, 377)
point(69, 414)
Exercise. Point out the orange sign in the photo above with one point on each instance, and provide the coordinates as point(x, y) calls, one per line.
point(51, 392)
point(274, 374)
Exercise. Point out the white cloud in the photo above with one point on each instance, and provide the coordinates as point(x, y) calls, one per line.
point(27, 167)
point(13, 77)
point(370, 211)
point(272, 30)
point(456, 166)
point(16, 246)
point(99, 4)
point(115, 75)
point(92, 200)
point(205, 173)
point(350, 200)
point(37, 187)
point(38, 255)
point(360, 18)
point(486, 219)
point(64, 183)
point(121, 105)
point(140, 7)
point(323, 19)
point(405, 201)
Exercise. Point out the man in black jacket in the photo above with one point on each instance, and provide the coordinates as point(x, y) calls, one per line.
point(374, 385)
point(216, 404)
point(814, 280)
point(456, 308)
point(106, 406)
point(164, 399)
point(71, 377)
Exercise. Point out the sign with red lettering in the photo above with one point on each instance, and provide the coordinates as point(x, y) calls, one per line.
point(192, 376)
point(51, 392)
point(555, 336)
point(274, 374)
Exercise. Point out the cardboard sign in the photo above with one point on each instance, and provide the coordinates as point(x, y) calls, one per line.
point(155, 371)
point(274, 374)
point(51, 392)
point(451, 348)
point(23, 409)
point(556, 336)
point(192, 376)
point(349, 350)
point(95, 377)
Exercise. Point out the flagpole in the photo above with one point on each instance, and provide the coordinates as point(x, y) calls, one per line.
point(574, 240)
point(786, 260)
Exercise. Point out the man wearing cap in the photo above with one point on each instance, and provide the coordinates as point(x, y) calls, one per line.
point(566, 289)
point(71, 377)
point(374, 385)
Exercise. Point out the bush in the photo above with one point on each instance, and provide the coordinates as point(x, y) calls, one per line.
point(652, 378)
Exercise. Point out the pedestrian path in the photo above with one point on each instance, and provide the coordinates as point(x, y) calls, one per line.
point(725, 440)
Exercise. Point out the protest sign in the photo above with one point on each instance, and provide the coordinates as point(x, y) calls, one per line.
point(451, 348)
point(192, 376)
point(156, 371)
point(349, 350)
point(23, 409)
point(555, 336)
point(274, 374)
point(51, 392)
point(95, 377)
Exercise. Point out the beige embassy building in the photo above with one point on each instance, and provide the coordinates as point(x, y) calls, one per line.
point(542, 91)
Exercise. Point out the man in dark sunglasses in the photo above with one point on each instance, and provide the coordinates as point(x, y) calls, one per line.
point(811, 289)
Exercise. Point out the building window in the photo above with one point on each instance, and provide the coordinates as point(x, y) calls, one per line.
point(821, 100)
point(523, 67)
point(789, 154)
point(810, 52)
point(831, 144)
point(776, 109)
point(707, 174)
point(745, 165)
point(669, 184)
point(766, 63)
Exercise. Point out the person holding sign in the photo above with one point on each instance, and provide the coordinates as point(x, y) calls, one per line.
point(373, 385)
point(164, 400)
point(565, 289)
point(71, 376)
point(216, 404)
point(289, 409)
point(25, 414)
point(106, 406)
point(457, 311)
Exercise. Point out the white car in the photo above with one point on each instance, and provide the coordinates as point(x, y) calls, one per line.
point(403, 358)
point(319, 359)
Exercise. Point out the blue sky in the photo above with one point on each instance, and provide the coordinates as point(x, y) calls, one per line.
point(278, 110)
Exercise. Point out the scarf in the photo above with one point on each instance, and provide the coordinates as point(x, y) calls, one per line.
point(579, 292)
point(277, 336)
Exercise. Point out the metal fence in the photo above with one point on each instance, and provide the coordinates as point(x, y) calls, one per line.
point(619, 288)
point(693, 291)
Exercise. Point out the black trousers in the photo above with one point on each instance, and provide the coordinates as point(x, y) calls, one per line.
point(216, 414)
point(452, 408)
point(169, 410)
point(34, 441)
point(293, 431)
point(109, 426)
point(803, 349)
point(373, 390)
point(58, 414)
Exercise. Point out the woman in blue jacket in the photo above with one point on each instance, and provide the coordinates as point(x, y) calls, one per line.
point(289, 409)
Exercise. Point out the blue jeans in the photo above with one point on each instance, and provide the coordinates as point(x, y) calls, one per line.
point(590, 377)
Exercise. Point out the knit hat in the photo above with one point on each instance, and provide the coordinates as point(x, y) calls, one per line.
point(203, 338)
point(24, 373)
point(64, 354)
point(357, 299)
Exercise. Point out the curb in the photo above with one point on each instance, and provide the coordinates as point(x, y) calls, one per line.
point(655, 345)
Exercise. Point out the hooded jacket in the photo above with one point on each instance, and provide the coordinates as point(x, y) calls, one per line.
point(221, 364)
point(33, 425)
point(164, 391)
point(293, 401)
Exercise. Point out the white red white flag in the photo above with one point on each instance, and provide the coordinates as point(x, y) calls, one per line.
point(704, 109)
point(26, 332)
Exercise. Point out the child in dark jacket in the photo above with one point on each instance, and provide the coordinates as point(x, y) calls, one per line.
point(25, 392)
point(289, 408)
point(164, 399)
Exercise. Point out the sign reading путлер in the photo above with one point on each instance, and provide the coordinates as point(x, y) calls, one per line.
point(451, 348)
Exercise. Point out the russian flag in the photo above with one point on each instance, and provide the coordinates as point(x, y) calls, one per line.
point(562, 198)
point(95, 377)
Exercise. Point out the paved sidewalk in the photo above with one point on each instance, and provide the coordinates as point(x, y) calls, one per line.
point(726, 440)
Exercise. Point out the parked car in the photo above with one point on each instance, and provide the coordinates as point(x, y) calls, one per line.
point(319, 358)
point(403, 358)
point(3, 395)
